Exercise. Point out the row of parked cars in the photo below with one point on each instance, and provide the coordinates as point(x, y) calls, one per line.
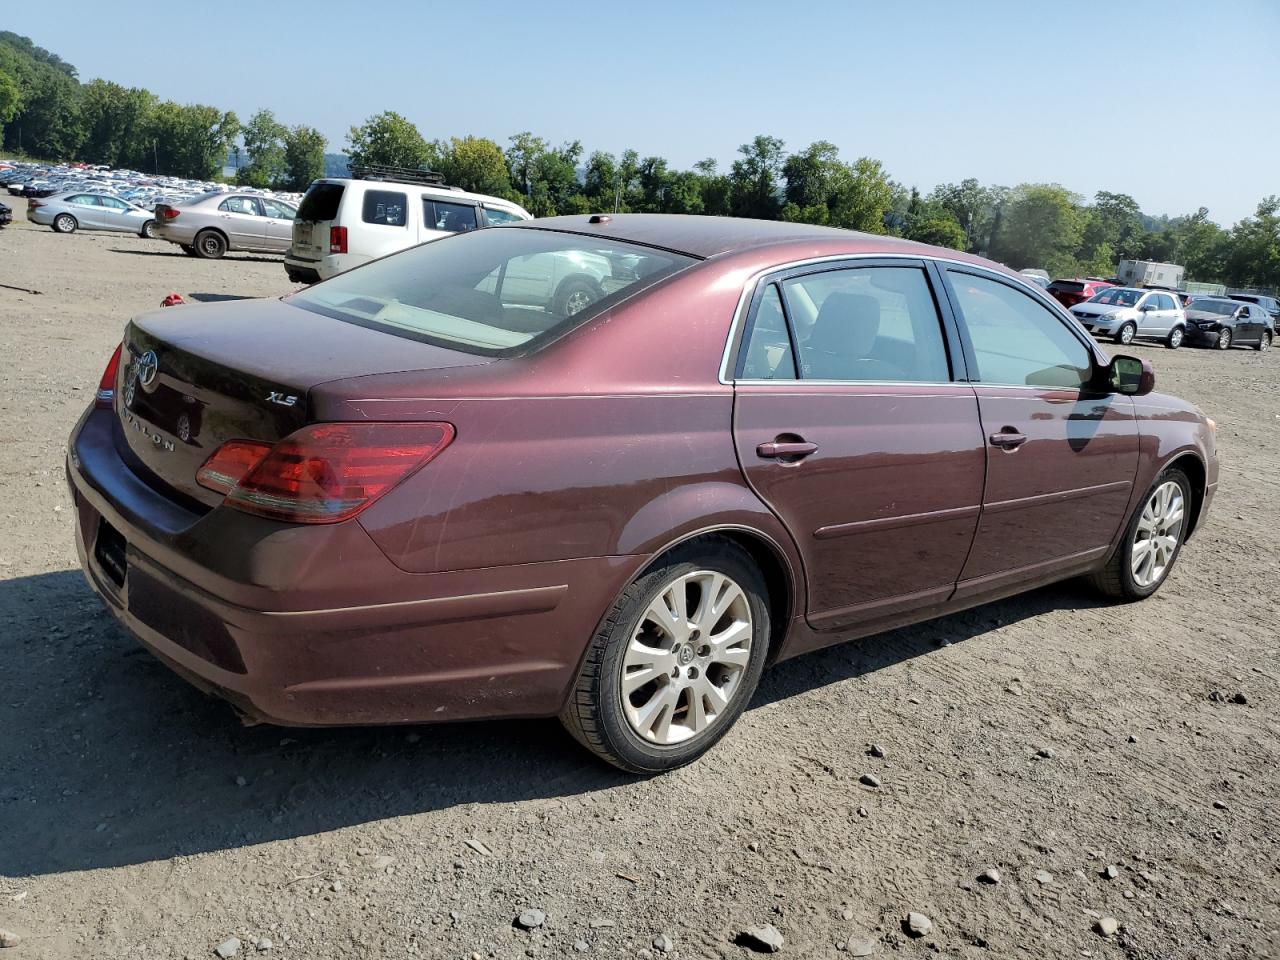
point(1124, 314)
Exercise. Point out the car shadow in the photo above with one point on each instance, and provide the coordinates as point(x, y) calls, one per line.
point(107, 758)
point(175, 252)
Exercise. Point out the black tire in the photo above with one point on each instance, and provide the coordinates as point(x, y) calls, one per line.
point(574, 295)
point(1264, 342)
point(1126, 333)
point(1116, 579)
point(1224, 339)
point(210, 245)
point(65, 223)
point(1176, 337)
point(148, 231)
point(594, 712)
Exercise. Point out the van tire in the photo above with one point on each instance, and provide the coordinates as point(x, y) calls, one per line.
point(575, 295)
point(210, 245)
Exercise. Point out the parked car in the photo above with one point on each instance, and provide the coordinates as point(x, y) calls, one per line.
point(1070, 292)
point(210, 225)
point(69, 212)
point(1124, 313)
point(1223, 323)
point(6, 215)
point(398, 496)
point(1270, 304)
point(343, 222)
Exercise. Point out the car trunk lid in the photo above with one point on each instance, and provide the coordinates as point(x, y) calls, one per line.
point(193, 377)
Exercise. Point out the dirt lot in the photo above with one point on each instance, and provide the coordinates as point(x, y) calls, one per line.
point(139, 819)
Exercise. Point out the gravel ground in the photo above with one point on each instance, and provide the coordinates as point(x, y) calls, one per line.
point(1091, 755)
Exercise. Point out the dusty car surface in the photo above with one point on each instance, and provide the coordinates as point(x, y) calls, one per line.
point(210, 225)
point(404, 495)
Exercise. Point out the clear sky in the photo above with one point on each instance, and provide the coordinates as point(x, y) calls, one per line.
point(1175, 102)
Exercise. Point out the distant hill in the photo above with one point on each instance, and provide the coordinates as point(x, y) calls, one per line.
point(335, 165)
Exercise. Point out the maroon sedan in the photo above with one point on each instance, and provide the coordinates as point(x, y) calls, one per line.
point(433, 488)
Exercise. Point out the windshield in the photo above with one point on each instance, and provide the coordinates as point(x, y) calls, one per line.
point(1223, 307)
point(1116, 297)
point(498, 292)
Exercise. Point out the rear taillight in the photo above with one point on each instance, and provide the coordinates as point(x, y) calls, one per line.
point(337, 239)
point(168, 213)
point(107, 385)
point(325, 472)
point(34, 204)
point(229, 463)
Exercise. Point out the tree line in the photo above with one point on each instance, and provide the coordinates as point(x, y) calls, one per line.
point(46, 111)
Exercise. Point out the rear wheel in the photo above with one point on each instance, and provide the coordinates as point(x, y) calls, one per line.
point(674, 662)
point(1224, 339)
point(148, 231)
point(1126, 333)
point(65, 223)
point(210, 244)
point(574, 296)
point(1152, 540)
point(1264, 342)
point(1174, 340)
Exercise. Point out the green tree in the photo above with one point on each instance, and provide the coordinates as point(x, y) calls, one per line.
point(1041, 226)
point(972, 206)
point(715, 189)
point(303, 157)
point(1113, 231)
point(10, 101)
point(475, 164)
point(1254, 256)
point(264, 142)
point(928, 221)
point(190, 140)
point(389, 138)
point(114, 120)
point(754, 179)
point(862, 197)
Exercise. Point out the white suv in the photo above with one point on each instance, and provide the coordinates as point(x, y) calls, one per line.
point(344, 222)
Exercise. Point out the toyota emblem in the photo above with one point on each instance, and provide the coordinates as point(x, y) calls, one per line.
point(147, 366)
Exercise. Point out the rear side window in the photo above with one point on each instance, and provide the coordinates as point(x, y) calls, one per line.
point(385, 207)
point(494, 217)
point(245, 205)
point(321, 201)
point(866, 323)
point(451, 217)
point(1016, 340)
point(768, 354)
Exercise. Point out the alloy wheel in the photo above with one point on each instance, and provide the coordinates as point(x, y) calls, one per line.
point(1126, 333)
point(1155, 540)
point(578, 301)
point(1224, 340)
point(684, 665)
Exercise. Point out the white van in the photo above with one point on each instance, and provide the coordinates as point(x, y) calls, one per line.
point(344, 222)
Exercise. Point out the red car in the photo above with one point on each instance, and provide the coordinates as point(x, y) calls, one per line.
point(431, 489)
point(1070, 292)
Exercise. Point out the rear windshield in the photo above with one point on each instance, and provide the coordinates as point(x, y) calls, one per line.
point(491, 292)
point(321, 201)
point(1071, 286)
point(1117, 297)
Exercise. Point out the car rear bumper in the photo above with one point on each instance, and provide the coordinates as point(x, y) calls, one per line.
point(175, 233)
point(329, 265)
point(314, 625)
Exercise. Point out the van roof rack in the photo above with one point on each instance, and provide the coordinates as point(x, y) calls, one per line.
point(387, 171)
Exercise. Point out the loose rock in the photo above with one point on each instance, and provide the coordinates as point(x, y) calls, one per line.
point(263, 944)
point(764, 939)
point(9, 939)
point(1044, 877)
point(876, 750)
point(1110, 871)
point(860, 948)
point(918, 925)
point(1107, 926)
point(1240, 698)
point(990, 876)
point(228, 948)
point(1219, 805)
point(662, 943)
point(581, 946)
point(862, 812)
point(531, 919)
point(869, 779)
point(1045, 753)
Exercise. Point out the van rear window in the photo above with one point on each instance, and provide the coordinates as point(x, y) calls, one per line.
point(385, 207)
point(321, 201)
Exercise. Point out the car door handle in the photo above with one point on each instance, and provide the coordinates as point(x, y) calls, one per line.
point(785, 449)
point(1008, 439)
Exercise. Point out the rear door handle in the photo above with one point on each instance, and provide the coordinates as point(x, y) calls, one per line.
point(785, 450)
point(1008, 439)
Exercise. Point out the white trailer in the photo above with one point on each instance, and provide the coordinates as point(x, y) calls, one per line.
point(1149, 273)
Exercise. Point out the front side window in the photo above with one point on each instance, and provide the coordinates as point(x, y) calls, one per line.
point(1017, 340)
point(450, 217)
point(491, 292)
point(385, 207)
point(273, 208)
point(767, 350)
point(866, 323)
point(84, 200)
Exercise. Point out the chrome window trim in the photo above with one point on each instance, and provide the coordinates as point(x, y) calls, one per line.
point(753, 281)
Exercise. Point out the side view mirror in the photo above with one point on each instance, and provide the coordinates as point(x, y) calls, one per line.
point(1145, 307)
point(1131, 376)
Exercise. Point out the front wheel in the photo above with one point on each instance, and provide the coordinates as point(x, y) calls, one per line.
point(148, 231)
point(210, 245)
point(65, 223)
point(1174, 340)
point(1264, 342)
point(674, 662)
point(1152, 540)
point(1224, 339)
point(1126, 333)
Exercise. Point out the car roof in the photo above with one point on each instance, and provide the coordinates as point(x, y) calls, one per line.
point(707, 237)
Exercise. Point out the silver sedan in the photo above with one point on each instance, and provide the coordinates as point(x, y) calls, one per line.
point(84, 210)
point(210, 225)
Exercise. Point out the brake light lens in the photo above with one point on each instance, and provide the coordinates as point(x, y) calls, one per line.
point(337, 239)
point(168, 212)
point(229, 463)
point(107, 385)
point(34, 204)
point(325, 472)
